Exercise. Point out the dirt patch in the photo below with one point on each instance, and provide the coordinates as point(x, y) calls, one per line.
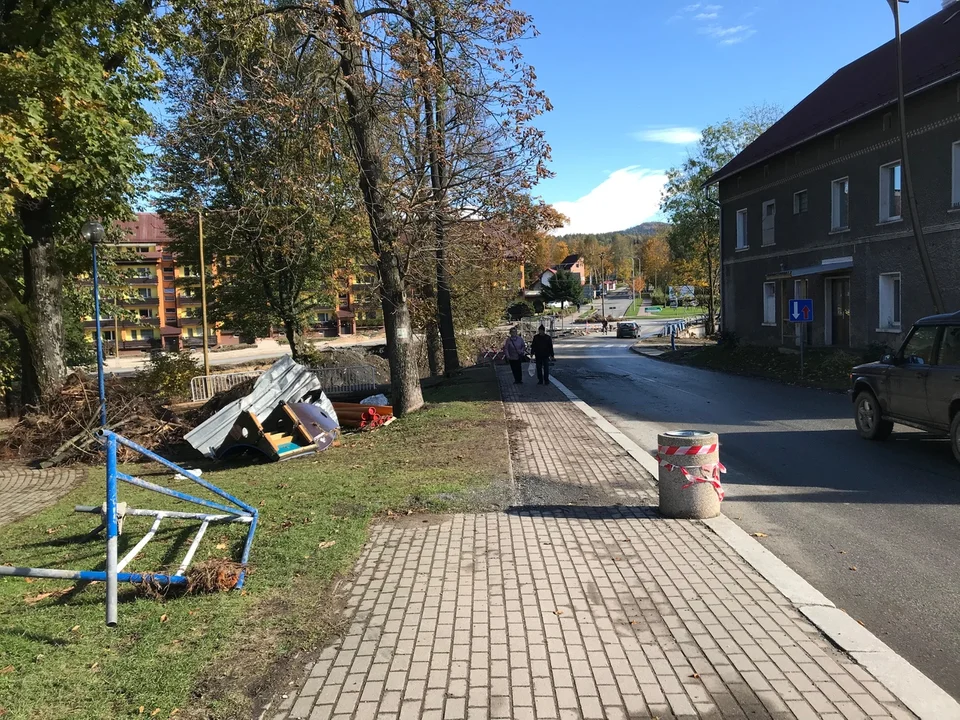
point(243, 680)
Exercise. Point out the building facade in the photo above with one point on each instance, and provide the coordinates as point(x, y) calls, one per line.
point(813, 208)
point(164, 298)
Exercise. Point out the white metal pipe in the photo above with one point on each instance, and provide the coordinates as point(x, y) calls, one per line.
point(140, 545)
point(193, 548)
point(171, 514)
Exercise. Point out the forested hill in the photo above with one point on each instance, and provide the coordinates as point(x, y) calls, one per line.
point(647, 229)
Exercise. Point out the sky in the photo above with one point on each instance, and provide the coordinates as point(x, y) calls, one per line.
point(632, 83)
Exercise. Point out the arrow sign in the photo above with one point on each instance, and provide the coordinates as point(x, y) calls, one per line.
point(801, 311)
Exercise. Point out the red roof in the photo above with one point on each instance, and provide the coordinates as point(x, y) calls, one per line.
point(147, 228)
point(931, 54)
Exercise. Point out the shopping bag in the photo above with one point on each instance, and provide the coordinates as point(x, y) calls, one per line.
point(531, 368)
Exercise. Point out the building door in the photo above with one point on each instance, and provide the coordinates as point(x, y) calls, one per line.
point(840, 312)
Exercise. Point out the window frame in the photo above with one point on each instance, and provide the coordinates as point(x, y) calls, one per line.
point(763, 220)
point(835, 225)
point(955, 186)
point(797, 210)
point(745, 245)
point(896, 323)
point(934, 349)
point(944, 329)
point(884, 195)
point(766, 322)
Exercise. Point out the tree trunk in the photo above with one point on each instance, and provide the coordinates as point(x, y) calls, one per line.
point(437, 148)
point(404, 370)
point(292, 331)
point(40, 337)
point(434, 349)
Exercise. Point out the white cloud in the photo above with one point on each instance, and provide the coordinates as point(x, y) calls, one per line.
point(730, 35)
point(670, 136)
point(705, 16)
point(629, 196)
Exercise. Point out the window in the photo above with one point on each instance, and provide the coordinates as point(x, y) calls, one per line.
point(146, 334)
point(769, 303)
point(133, 334)
point(741, 229)
point(108, 335)
point(840, 204)
point(950, 346)
point(919, 348)
point(769, 221)
point(800, 202)
point(890, 301)
point(955, 199)
point(890, 197)
point(887, 121)
point(146, 313)
point(144, 293)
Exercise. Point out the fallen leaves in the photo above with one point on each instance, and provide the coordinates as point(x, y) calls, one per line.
point(221, 546)
point(164, 618)
point(34, 599)
point(75, 628)
point(327, 544)
point(7, 670)
point(558, 612)
point(853, 567)
point(696, 676)
point(759, 535)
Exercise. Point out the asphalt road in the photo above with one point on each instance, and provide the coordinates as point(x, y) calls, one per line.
point(871, 525)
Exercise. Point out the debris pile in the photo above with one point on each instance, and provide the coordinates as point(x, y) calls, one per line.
point(363, 416)
point(61, 429)
point(284, 414)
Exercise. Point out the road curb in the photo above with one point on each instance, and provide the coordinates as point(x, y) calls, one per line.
point(926, 699)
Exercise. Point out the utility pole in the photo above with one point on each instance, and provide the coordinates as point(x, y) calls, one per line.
point(203, 306)
point(603, 293)
point(907, 178)
point(116, 327)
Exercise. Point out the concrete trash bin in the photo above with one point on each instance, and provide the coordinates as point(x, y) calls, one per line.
point(689, 474)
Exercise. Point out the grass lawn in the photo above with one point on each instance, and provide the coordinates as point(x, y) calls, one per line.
point(827, 369)
point(636, 310)
point(216, 655)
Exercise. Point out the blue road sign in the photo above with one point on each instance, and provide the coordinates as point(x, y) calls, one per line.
point(801, 311)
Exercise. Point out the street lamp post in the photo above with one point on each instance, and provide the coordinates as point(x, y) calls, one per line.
point(603, 293)
point(907, 178)
point(94, 233)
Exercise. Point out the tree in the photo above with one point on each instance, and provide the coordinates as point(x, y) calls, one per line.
point(73, 79)
point(387, 53)
point(564, 288)
point(252, 144)
point(655, 259)
point(693, 208)
point(560, 252)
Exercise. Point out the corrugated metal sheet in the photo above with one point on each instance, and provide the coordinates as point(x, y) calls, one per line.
point(285, 380)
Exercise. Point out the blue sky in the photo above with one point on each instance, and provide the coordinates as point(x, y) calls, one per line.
point(633, 81)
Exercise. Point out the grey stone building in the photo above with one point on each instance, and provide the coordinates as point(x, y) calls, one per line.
point(812, 208)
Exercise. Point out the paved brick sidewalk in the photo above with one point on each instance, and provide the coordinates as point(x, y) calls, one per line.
point(581, 612)
point(24, 491)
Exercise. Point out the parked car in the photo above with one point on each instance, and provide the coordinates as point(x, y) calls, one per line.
point(918, 386)
point(628, 330)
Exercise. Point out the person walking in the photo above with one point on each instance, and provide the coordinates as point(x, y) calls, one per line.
point(515, 349)
point(542, 348)
point(604, 323)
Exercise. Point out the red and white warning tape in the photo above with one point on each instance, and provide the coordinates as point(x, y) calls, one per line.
point(711, 472)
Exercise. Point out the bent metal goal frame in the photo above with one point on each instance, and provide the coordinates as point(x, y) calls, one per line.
point(113, 513)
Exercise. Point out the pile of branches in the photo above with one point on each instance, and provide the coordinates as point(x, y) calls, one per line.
point(63, 428)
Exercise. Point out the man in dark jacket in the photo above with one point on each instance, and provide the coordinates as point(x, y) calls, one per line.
point(542, 347)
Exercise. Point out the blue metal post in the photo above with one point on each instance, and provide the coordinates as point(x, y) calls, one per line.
point(96, 312)
point(112, 530)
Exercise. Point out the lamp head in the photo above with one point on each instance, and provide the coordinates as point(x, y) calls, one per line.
point(93, 232)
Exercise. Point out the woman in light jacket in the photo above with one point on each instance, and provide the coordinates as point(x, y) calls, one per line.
point(514, 349)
